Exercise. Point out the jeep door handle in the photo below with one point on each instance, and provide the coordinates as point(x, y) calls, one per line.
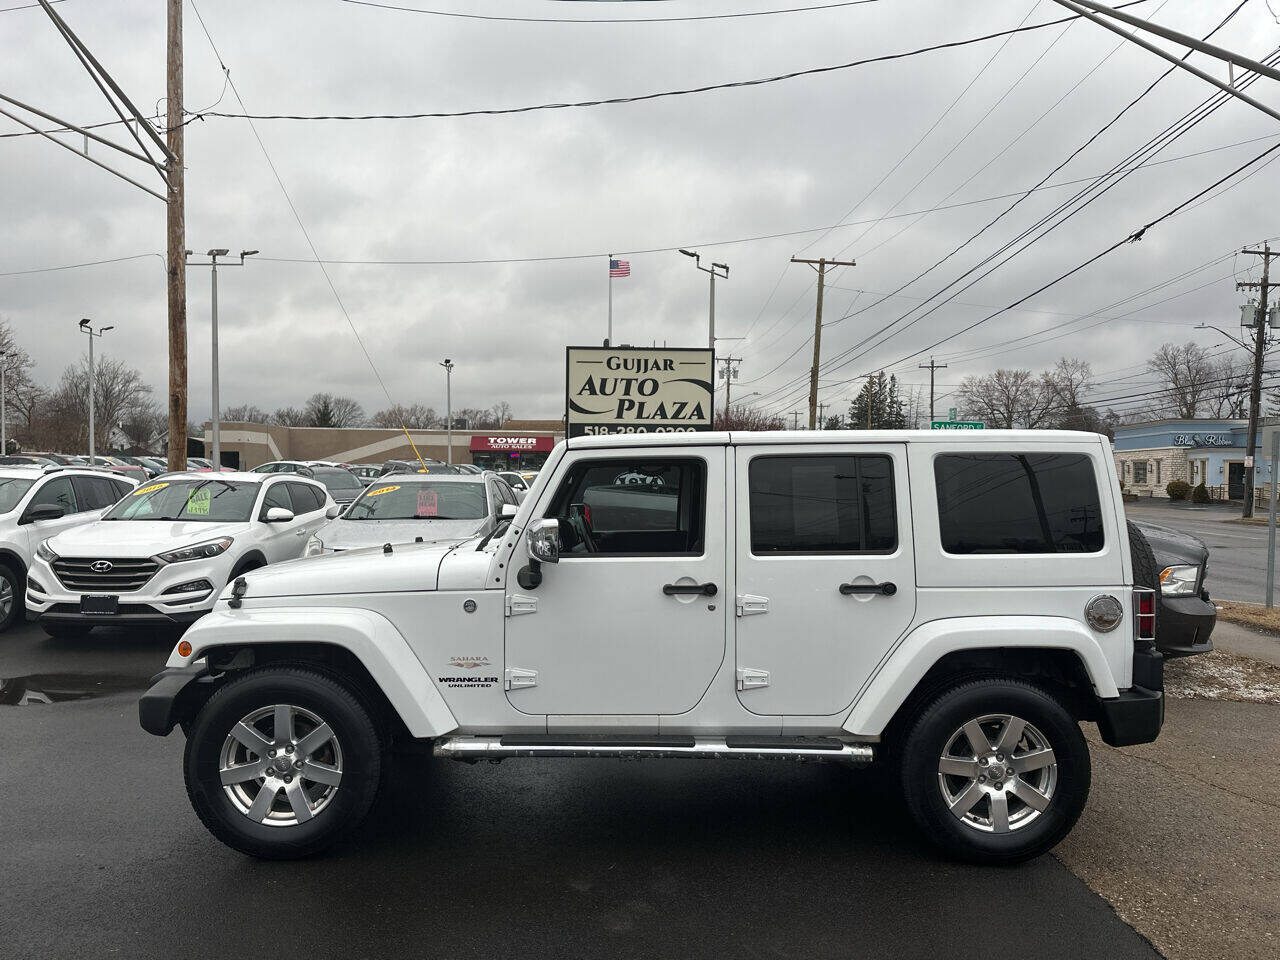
point(886, 589)
point(689, 589)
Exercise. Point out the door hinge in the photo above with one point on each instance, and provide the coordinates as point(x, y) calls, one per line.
point(518, 678)
point(516, 605)
point(749, 606)
point(751, 679)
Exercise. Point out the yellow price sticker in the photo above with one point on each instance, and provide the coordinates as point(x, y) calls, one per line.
point(374, 493)
point(151, 489)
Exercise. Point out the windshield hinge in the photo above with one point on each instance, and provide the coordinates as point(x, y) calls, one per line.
point(517, 604)
point(518, 678)
point(751, 679)
point(749, 605)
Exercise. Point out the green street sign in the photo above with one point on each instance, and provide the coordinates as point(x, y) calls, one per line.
point(958, 425)
point(951, 414)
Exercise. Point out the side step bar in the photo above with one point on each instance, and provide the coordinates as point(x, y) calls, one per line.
point(786, 748)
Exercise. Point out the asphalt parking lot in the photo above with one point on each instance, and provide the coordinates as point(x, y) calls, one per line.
point(563, 858)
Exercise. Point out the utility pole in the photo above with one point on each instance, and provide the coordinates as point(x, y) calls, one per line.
point(176, 230)
point(821, 265)
point(795, 419)
point(1255, 389)
point(822, 413)
point(85, 327)
point(216, 419)
point(728, 373)
point(448, 406)
point(4, 423)
point(931, 367)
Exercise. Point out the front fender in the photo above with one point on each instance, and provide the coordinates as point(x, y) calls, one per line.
point(930, 642)
point(369, 636)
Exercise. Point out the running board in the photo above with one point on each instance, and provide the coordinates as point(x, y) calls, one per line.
point(472, 749)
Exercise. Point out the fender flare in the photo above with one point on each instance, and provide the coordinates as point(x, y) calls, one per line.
point(242, 565)
point(12, 559)
point(906, 665)
point(367, 635)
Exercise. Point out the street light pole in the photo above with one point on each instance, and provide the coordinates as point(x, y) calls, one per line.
point(4, 423)
point(714, 271)
point(216, 419)
point(448, 407)
point(87, 327)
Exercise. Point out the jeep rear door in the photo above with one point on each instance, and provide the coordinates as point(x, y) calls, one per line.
point(825, 571)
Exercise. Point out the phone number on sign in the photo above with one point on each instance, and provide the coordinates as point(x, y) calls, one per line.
point(601, 431)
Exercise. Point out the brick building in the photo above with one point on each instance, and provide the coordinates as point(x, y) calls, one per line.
point(1149, 455)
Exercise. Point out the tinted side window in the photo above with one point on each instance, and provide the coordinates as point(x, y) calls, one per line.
point(94, 493)
point(276, 496)
point(632, 507)
point(306, 499)
point(120, 488)
point(822, 504)
point(59, 493)
point(1018, 503)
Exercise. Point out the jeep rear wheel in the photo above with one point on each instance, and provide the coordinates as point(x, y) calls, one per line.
point(995, 771)
point(282, 762)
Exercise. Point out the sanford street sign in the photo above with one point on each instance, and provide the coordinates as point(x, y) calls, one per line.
point(958, 425)
point(637, 390)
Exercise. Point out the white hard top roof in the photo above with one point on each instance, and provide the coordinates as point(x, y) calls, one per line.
point(34, 471)
point(782, 437)
point(431, 477)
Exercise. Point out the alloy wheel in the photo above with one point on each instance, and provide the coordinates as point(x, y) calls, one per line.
point(997, 773)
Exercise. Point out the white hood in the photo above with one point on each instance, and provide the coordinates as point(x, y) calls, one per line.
point(409, 567)
point(138, 538)
point(344, 534)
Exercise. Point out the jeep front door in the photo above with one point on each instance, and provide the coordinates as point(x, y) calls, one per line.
point(825, 572)
point(631, 620)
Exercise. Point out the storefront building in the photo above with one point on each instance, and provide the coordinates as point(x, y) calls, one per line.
point(1150, 455)
point(509, 451)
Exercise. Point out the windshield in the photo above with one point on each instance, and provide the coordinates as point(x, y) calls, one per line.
point(335, 478)
point(11, 491)
point(420, 501)
point(217, 501)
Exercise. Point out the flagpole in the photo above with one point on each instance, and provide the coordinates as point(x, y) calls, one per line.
point(609, 338)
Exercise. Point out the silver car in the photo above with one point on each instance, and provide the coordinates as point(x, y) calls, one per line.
point(410, 507)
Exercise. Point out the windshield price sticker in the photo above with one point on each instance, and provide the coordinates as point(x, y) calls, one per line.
point(428, 503)
point(382, 490)
point(151, 489)
point(198, 502)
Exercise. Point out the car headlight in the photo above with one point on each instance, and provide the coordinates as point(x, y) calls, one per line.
point(199, 551)
point(315, 547)
point(45, 553)
point(1179, 581)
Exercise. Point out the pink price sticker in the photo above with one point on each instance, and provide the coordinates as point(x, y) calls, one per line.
point(427, 504)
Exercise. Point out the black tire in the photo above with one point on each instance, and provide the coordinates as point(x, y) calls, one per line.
point(14, 585)
point(65, 631)
point(362, 754)
point(1146, 572)
point(943, 717)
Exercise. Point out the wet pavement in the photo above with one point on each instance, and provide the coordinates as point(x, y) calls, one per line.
point(566, 858)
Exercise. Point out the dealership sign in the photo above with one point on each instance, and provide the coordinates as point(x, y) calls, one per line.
point(512, 444)
point(1204, 440)
point(637, 390)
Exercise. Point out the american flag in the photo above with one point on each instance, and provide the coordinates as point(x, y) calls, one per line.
point(619, 268)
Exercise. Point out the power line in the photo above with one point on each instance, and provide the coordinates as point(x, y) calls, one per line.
point(73, 266)
point(713, 16)
point(665, 94)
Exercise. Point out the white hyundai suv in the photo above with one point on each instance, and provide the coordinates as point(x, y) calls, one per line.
point(40, 502)
point(163, 553)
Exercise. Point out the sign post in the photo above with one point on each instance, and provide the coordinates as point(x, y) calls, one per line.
point(638, 390)
point(1271, 440)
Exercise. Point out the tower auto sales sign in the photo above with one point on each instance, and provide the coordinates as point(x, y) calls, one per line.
point(638, 390)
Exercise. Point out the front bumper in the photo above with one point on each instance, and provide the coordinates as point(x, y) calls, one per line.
point(159, 708)
point(1184, 624)
point(1137, 715)
point(48, 600)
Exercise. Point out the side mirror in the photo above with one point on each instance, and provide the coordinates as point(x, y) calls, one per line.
point(508, 510)
point(333, 512)
point(278, 515)
point(544, 541)
point(44, 511)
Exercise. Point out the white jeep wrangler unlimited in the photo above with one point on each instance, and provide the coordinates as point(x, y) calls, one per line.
point(948, 604)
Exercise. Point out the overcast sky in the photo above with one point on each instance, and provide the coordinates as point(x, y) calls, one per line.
point(685, 171)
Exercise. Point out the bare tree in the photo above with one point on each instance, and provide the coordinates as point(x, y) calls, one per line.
point(246, 413)
point(142, 425)
point(501, 412)
point(1066, 384)
point(1186, 376)
point(1007, 399)
point(742, 417)
point(118, 390)
point(415, 417)
point(288, 417)
point(476, 419)
point(327, 410)
point(1228, 395)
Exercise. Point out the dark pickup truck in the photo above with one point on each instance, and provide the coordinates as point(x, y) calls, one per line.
point(1186, 615)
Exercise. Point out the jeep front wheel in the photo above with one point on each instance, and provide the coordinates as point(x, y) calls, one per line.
point(995, 771)
point(282, 762)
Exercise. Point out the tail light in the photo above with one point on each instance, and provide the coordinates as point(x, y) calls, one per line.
point(1144, 607)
